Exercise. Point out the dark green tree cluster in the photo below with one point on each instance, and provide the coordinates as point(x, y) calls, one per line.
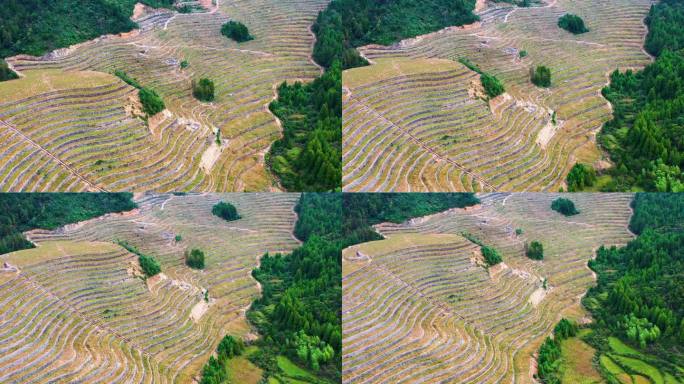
point(580, 177)
point(215, 371)
point(639, 296)
point(37, 26)
point(665, 27)
point(299, 313)
point(564, 206)
point(309, 156)
point(347, 24)
point(541, 76)
point(491, 255)
point(572, 23)
point(26, 211)
point(534, 250)
point(237, 31)
point(549, 360)
point(226, 211)
point(194, 258)
point(203, 90)
point(5, 72)
point(644, 138)
point(149, 265)
point(151, 102)
point(492, 85)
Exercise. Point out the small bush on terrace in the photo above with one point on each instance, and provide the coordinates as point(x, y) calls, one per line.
point(492, 85)
point(564, 206)
point(534, 250)
point(491, 255)
point(226, 211)
point(194, 258)
point(203, 90)
point(184, 64)
point(5, 72)
point(580, 176)
point(572, 23)
point(148, 264)
point(236, 31)
point(151, 102)
point(541, 76)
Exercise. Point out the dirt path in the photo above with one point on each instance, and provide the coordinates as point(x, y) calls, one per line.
point(91, 187)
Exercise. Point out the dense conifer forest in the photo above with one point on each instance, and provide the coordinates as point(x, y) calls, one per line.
point(640, 292)
point(347, 24)
point(37, 26)
point(23, 212)
point(309, 156)
point(645, 136)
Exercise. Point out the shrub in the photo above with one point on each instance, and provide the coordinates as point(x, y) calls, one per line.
point(151, 102)
point(230, 347)
point(6, 73)
point(194, 258)
point(203, 90)
point(178, 238)
point(236, 31)
point(572, 23)
point(564, 206)
point(127, 79)
point(184, 64)
point(149, 265)
point(541, 76)
point(522, 54)
point(492, 85)
point(491, 255)
point(534, 250)
point(580, 176)
point(225, 211)
point(518, 231)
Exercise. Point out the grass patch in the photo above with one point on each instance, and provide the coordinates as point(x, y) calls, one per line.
point(576, 357)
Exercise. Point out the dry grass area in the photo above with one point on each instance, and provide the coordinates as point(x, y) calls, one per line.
point(424, 126)
point(76, 310)
point(420, 306)
point(62, 128)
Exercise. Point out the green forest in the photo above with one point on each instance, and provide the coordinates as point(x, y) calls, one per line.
point(381, 22)
point(299, 313)
point(26, 211)
point(38, 26)
point(309, 156)
point(645, 138)
point(639, 296)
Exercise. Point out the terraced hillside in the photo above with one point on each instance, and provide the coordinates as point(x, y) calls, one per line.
point(65, 126)
point(420, 307)
point(419, 120)
point(75, 310)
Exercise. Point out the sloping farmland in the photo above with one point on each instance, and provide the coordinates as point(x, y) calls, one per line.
point(419, 120)
point(75, 308)
point(421, 307)
point(69, 125)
